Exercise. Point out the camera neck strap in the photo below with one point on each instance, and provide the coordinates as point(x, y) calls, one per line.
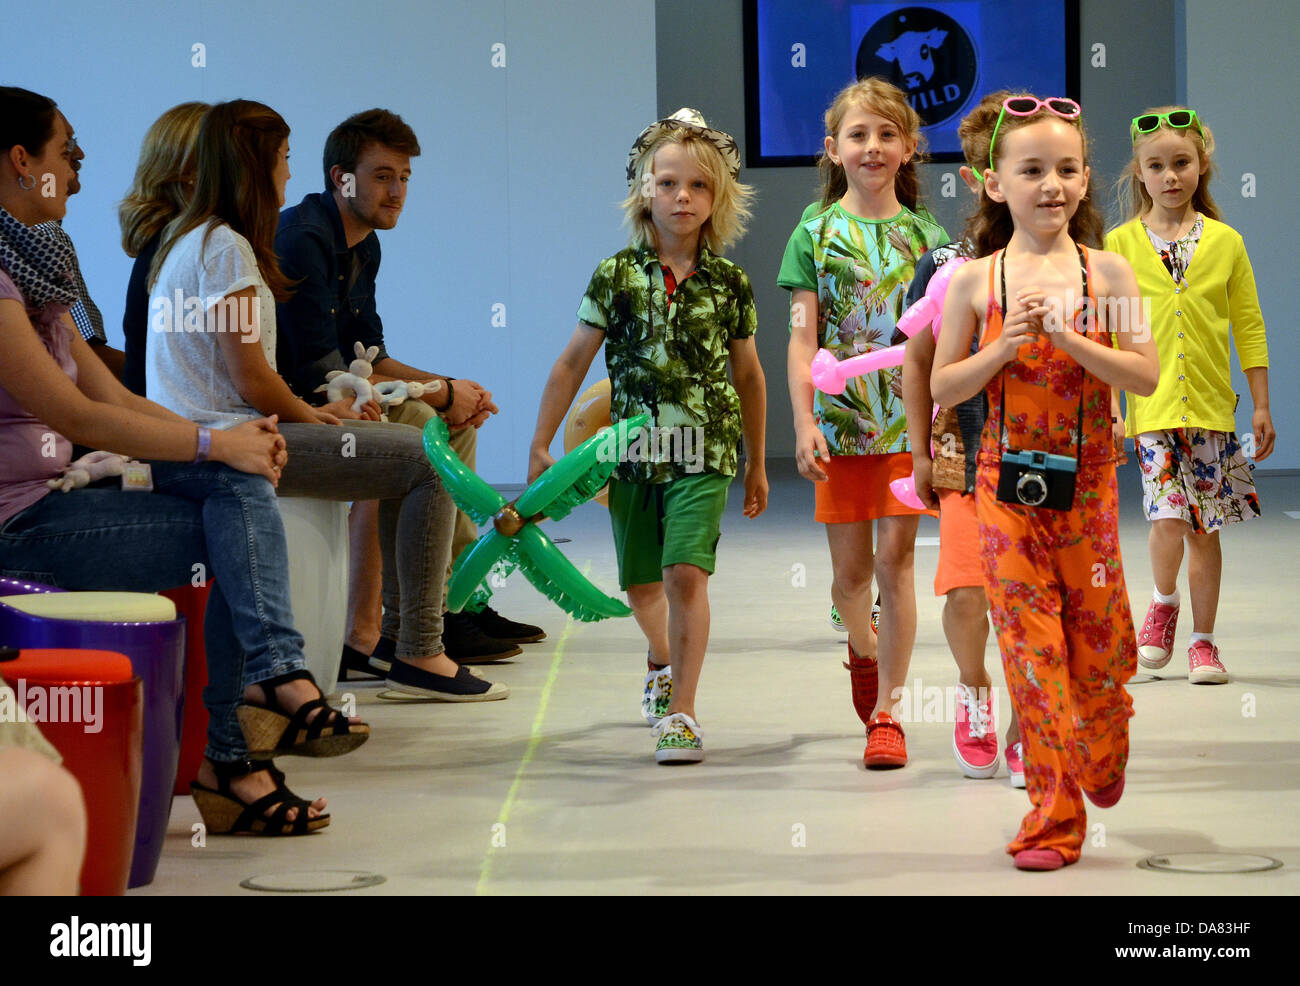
point(1002, 401)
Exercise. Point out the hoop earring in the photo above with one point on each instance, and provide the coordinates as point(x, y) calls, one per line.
point(27, 188)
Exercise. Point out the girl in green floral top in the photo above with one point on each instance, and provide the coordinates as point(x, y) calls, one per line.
point(848, 267)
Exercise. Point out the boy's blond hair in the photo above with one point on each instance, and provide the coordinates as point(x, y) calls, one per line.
point(731, 198)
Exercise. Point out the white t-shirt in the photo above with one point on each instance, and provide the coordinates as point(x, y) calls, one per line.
point(184, 370)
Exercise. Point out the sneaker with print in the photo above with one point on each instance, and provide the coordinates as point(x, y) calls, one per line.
point(836, 622)
point(658, 694)
point(679, 740)
point(974, 739)
point(1203, 664)
point(1156, 641)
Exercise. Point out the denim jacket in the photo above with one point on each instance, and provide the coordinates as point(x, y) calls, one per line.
point(333, 305)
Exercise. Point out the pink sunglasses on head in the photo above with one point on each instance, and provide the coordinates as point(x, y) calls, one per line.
point(1067, 109)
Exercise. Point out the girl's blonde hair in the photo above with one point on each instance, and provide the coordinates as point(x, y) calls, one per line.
point(726, 223)
point(991, 227)
point(1135, 201)
point(884, 99)
point(159, 192)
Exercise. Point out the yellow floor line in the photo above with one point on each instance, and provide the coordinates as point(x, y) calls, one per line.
point(534, 739)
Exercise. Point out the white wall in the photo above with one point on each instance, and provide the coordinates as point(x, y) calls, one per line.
point(512, 202)
point(1241, 70)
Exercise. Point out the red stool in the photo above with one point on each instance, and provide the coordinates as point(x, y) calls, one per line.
point(101, 748)
point(191, 603)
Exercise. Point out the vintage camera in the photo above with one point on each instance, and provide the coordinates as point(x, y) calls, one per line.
point(1037, 479)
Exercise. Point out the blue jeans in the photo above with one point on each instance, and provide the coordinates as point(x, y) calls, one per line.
point(207, 514)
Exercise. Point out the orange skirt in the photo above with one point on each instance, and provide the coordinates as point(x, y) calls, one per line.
point(858, 488)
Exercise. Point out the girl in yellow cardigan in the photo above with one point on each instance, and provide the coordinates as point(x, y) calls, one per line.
point(1196, 474)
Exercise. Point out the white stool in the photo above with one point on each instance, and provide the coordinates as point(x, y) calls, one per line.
point(317, 536)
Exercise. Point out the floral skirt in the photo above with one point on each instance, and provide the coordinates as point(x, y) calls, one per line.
point(1198, 476)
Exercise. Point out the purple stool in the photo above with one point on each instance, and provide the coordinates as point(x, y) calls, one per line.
point(156, 648)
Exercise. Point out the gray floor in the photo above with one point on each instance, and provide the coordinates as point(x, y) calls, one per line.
point(555, 789)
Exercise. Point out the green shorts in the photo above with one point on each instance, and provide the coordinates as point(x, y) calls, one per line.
point(661, 524)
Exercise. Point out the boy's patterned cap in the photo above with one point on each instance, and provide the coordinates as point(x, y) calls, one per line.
point(684, 119)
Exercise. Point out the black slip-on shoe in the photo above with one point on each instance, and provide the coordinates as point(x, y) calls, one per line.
point(382, 657)
point(465, 686)
point(355, 666)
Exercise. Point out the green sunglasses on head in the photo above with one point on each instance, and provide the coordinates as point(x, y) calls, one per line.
point(1149, 123)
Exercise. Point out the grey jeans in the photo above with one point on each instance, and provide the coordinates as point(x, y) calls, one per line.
point(374, 460)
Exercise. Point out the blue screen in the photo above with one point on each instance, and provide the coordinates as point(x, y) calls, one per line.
point(945, 54)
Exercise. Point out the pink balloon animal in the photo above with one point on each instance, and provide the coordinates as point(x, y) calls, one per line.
point(830, 375)
point(927, 311)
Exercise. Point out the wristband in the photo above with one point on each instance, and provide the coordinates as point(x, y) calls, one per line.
point(451, 396)
point(204, 446)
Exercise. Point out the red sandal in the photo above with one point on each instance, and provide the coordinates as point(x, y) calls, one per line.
point(886, 746)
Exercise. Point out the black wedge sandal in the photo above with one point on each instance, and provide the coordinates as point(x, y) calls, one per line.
point(270, 730)
point(224, 813)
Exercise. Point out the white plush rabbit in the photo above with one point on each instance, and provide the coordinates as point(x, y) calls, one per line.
point(390, 393)
point(355, 381)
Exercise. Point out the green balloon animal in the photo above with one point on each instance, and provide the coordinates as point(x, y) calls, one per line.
point(514, 541)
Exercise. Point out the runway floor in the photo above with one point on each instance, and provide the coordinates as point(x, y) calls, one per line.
point(555, 790)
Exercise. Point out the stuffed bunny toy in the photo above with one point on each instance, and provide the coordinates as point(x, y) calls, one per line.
point(390, 393)
point(356, 379)
point(89, 468)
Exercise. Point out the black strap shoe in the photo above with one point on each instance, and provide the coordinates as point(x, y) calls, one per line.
point(496, 626)
point(467, 644)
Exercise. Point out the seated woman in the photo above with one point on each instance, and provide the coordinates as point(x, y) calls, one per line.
point(214, 363)
point(164, 179)
point(213, 501)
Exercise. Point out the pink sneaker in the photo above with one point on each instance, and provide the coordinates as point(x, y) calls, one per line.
point(1156, 641)
point(974, 739)
point(1016, 764)
point(1203, 664)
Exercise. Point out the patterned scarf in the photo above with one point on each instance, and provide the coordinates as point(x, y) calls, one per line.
point(39, 260)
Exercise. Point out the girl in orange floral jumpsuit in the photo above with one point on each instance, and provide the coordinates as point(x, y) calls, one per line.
point(1054, 579)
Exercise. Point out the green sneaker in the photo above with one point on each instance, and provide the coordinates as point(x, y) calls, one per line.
point(836, 622)
point(658, 695)
point(679, 740)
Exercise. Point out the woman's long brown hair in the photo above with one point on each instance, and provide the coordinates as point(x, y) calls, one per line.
point(236, 156)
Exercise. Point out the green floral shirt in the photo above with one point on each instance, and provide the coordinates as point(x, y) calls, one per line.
point(860, 269)
point(670, 360)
